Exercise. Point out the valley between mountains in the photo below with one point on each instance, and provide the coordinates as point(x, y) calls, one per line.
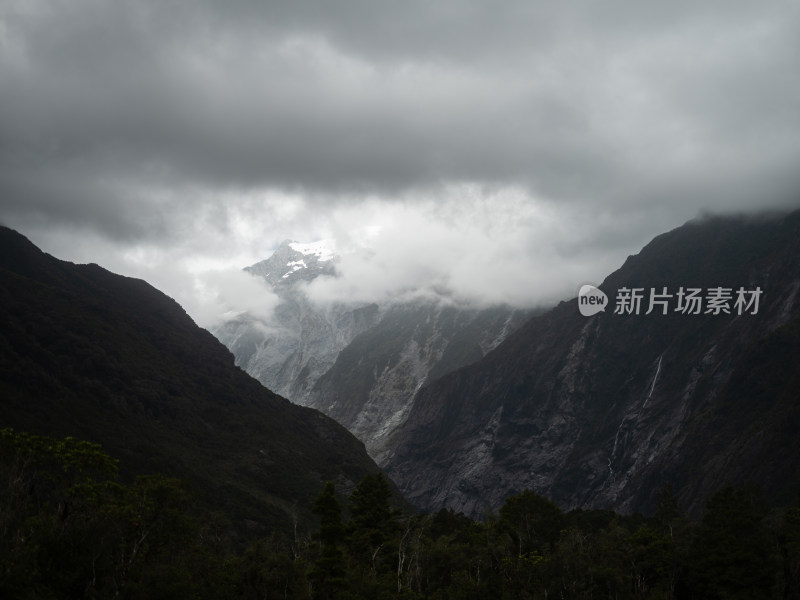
point(646, 451)
point(463, 407)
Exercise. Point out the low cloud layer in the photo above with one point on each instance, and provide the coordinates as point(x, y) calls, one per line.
point(496, 152)
point(468, 246)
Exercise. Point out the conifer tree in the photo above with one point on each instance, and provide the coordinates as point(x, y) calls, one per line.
point(372, 535)
point(732, 556)
point(328, 574)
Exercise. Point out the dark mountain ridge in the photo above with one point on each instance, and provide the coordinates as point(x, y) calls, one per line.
point(110, 359)
point(602, 411)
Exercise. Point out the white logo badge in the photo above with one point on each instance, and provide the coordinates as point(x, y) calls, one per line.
point(591, 300)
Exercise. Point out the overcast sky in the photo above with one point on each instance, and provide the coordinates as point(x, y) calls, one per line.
point(491, 151)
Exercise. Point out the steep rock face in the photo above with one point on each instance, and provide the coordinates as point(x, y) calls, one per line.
point(359, 363)
point(601, 411)
point(370, 387)
point(106, 358)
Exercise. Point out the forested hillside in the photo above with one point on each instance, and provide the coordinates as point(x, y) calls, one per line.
point(71, 529)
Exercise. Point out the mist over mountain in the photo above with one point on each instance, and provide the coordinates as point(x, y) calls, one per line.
point(358, 362)
point(110, 359)
point(602, 411)
point(291, 350)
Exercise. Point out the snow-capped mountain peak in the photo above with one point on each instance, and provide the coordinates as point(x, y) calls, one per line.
point(297, 260)
point(324, 250)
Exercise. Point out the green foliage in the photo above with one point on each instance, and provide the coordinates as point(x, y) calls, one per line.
point(789, 543)
point(329, 511)
point(372, 541)
point(533, 522)
point(732, 555)
point(328, 573)
point(373, 526)
point(371, 513)
point(269, 569)
point(71, 529)
point(77, 459)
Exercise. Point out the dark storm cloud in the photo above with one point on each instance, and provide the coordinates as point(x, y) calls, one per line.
point(159, 121)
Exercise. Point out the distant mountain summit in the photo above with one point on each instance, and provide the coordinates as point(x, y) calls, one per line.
point(602, 411)
point(360, 363)
point(293, 261)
